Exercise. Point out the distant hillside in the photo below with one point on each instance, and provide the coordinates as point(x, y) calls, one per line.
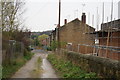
point(41, 33)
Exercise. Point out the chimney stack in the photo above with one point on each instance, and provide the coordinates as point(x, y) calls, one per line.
point(83, 18)
point(65, 21)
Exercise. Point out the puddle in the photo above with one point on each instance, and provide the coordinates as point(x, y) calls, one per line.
point(48, 70)
point(36, 73)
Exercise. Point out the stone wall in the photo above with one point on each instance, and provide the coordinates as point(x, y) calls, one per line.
point(104, 67)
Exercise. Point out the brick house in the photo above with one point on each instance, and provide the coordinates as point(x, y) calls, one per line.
point(81, 37)
point(44, 42)
point(74, 34)
point(109, 40)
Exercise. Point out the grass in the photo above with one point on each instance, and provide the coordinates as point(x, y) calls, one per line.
point(28, 57)
point(38, 64)
point(9, 70)
point(66, 69)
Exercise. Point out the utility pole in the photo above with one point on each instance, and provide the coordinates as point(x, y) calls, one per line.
point(97, 18)
point(89, 18)
point(76, 13)
point(59, 24)
point(103, 14)
point(92, 20)
point(109, 30)
point(111, 10)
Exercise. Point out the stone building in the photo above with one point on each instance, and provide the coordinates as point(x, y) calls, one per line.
point(74, 34)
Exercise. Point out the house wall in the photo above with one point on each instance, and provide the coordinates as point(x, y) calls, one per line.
point(113, 39)
point(114, 42)
point(75, 33)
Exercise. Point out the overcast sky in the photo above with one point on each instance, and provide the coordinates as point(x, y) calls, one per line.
point(42, 15)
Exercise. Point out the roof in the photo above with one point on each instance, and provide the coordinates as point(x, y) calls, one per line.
point(78, 21)
point(112, 24)
point(105, 31)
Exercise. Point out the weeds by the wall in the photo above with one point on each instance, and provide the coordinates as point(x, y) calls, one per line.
point(66, 69)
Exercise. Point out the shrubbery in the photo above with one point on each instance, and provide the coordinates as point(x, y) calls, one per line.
point(49, 48)
point(28, 55)
point(54, 45)
point(9, 70)
point(66, 69)
point(15, 38)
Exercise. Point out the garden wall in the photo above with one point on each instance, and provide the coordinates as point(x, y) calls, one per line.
point(104, 67)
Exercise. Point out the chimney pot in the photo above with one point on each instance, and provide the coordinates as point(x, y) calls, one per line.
point(83, 18)
point(65, 21)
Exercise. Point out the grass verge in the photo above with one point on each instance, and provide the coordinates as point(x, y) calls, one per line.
point(66, 69)
point(9, 70)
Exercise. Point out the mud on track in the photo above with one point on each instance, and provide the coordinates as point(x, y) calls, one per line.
point(37, 67)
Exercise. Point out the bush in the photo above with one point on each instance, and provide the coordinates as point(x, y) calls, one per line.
point(68, 70)
point(55, 44)
point(49, 48)
point(29, 56)
point(9, 70)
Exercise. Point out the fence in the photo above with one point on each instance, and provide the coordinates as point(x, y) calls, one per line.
point(98, 50)
point(12, 50)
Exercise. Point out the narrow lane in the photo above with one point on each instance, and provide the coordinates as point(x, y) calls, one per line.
point(32, 69)
point(48, 70)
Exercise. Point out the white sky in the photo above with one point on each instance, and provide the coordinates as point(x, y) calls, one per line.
point(42, 15)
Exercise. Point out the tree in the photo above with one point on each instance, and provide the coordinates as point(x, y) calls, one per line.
point(42, 37)
point(12, 27)
point(11, 11)
point(36, 42)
